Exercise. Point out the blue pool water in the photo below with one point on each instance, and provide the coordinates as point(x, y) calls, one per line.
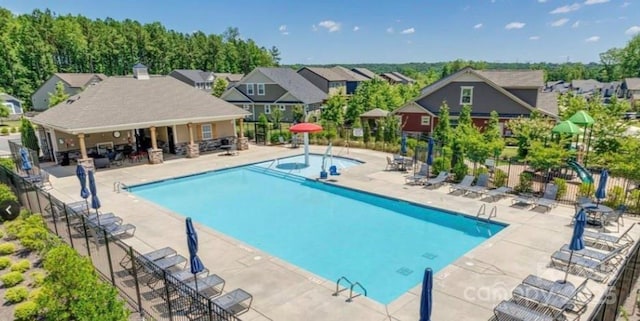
point(331, 231)
point(295, 164)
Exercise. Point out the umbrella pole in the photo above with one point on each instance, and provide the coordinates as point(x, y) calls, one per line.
point(195, 278)
point(566, 274)
point(306, 149)
point(97, 217)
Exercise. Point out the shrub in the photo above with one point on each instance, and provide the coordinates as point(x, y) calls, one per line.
point(510, 141)
point(1, 234)
point(11, 279)
point(460, 170)
point(4, 262)
point(7, 163)
point(21, 266)
point(499, 178)
point(32, 232)
point(4, 131)
point(586, 190)
point(615, 197)
point(35, 294)
point(14, 129)
point(37, 278)
point(634, 201)
point(16, 294)
point(7, 248)
point(481, 170)
point(6, 194)
point(25, 311)
point(562, 187)
point(525, 184)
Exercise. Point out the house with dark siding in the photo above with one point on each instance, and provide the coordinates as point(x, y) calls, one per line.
point(264, 89)
point(333, 80)
point(511, 93)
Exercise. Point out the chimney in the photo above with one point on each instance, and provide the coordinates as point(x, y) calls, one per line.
point(140, 71)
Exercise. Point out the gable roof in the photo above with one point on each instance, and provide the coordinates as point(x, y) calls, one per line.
point(326, 73)
point(229, 76)
point(119, 103)
point(547, 102)
point(401, 76)
point(376, 112)
point(586, 85)
point(348, 74)
point(365, 72)
point(514, 78)
point(7, 97)
point(295, 84)
point(633, 83)
point(195, 75)
point(392, 77)
point(78, 80)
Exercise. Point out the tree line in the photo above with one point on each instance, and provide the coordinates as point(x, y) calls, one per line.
point(41, 43)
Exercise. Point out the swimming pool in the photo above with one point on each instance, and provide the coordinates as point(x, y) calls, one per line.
point(295, 164)
point(331, 231)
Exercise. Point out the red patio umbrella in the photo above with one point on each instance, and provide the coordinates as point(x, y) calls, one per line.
point(305, 128)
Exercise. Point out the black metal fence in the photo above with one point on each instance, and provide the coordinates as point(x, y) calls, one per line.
point(150, 291)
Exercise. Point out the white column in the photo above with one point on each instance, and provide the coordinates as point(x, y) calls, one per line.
point(306, 149)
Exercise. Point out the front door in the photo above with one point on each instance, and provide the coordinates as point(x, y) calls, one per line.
point(172, 145)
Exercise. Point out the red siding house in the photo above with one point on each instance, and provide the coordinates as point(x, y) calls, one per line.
point(512, 93)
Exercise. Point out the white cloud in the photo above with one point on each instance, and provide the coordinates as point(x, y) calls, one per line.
point(478, 26)
point(330, 25)
point(592, 39)
point(566, 9)
point(633, 31)
point(576, 24)
point(356, 28)
point(591, 2)
point(625, 4)
point(283, 30)
point(390, 30)
point(559, 22)
point(408, 31)
point(515, 25)
point(534, 38)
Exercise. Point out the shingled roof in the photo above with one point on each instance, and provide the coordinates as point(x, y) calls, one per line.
point(78, 80)
point(295, 84)
point(514, 78)
point(365, 72)
point(633, 83)
point(120, 103)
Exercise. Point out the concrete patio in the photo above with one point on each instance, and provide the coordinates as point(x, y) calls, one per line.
point(468, 289)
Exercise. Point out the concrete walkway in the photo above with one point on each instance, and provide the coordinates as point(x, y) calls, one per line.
point(468, 289)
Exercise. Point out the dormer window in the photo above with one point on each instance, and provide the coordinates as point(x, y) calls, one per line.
point(250, 89)
point(260, 89)
point(466, 95)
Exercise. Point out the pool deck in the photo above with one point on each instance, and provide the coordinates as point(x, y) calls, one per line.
point(468, 289)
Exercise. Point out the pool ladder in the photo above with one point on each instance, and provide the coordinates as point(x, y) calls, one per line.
point(351, 286)
point(118, 186)
point(482, 211)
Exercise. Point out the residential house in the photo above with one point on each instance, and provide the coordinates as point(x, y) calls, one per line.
point(511, 93)
point(12, 103)
point(141, 114)
point(365, 72)
point(586, 88)
point(558, 86)
point(73, 84)
point(333, 80)
point(397, 78)
point(231, 79)
point(630, 89)
point(194, 78)
point(264, 89)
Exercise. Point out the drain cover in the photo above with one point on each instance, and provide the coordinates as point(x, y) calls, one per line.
point(429, 256)
point(404, 271)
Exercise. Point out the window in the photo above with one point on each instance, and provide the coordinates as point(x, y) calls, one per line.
point(283, 107)
point(466, 95)
point(425, 120)
point(207, 133)
point(267, 109)
point(246, 107)
point(260, 89)
point(249, 89)
point(453, 121)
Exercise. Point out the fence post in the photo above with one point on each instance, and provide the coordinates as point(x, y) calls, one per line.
point(53, 214)
point(134, 271)
point(66, 215)
point(86, 237)
point(38, 198)
point(106, 244)
point(509, 171)
point(26, 192)
point(167, 293)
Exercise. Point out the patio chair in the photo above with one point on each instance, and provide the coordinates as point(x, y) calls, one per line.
point(511, 310)
point(597, 270)
point(550, 299)
point(481, 184)
point(118, 159)
point(391, 164)
point(613, 217)
point(548, 199)
point(498, 192)
point(463, 185)
point(595, 254)
point(235, 302)
point(602, 240)
point(418, 177)
point(525, 200)
point(149, 256)
point(438, 180)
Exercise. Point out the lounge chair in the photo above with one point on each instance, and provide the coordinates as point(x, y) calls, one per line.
point(548, 199)
point(209, 286)
point(236, 302)
point(613, 217)
point(525, 200)
point(149, 256)
point(418, 177)
point(481, 184)
point(553, 300)
point(598, 270)
point(391, 164)
point(438, 180)
point(595, 254)
point(602, 240)
point(510, 310)
point(463, 185)
point(498, 192)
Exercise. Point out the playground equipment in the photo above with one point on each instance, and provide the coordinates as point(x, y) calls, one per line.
point(582, 172)
point(333, 169)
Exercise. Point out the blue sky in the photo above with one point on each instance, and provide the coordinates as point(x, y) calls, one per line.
point(358, 31)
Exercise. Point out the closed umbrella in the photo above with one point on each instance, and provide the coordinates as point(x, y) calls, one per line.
point(95, 201)
point(601, 192)
point(430, 147)
point(577, 242)
point(192, 243)
point(403, 144)
point(425, 299)
point(26, 162)
point(82, 177)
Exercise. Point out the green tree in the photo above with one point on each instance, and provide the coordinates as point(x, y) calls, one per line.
point(366, 132)
point(276, 117)
point(543, 158)
point(219, 87)
point(528, 130)
point(58, 96)
point(630, 58)
point(28, 136)
point(493, 135)
point(4, 113)
point(333, 111)
point(442, 132)
point(297, 114)
point(476, 148)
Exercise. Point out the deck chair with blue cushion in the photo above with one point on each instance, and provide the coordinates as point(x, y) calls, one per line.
point(608, 241)
point(418, 177)
point(572, 301)
point(548, 199)
point(438, 180)
point(463, 185)
point(512, 310)
point(481, 184)
point(597, 270)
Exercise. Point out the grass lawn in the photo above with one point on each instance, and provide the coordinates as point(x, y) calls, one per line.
point(10, 123)
point(509, 152)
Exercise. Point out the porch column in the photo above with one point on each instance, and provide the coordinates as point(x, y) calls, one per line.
point(243, 142)
point(193, 149)
point(155, 154)
point(241, 125)
point(84, 160)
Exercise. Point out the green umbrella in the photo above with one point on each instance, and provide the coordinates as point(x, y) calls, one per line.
point(582, 118)
point(567, 127)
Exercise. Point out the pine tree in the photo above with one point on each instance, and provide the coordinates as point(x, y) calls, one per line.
point(443, 133)
point(28, 135)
